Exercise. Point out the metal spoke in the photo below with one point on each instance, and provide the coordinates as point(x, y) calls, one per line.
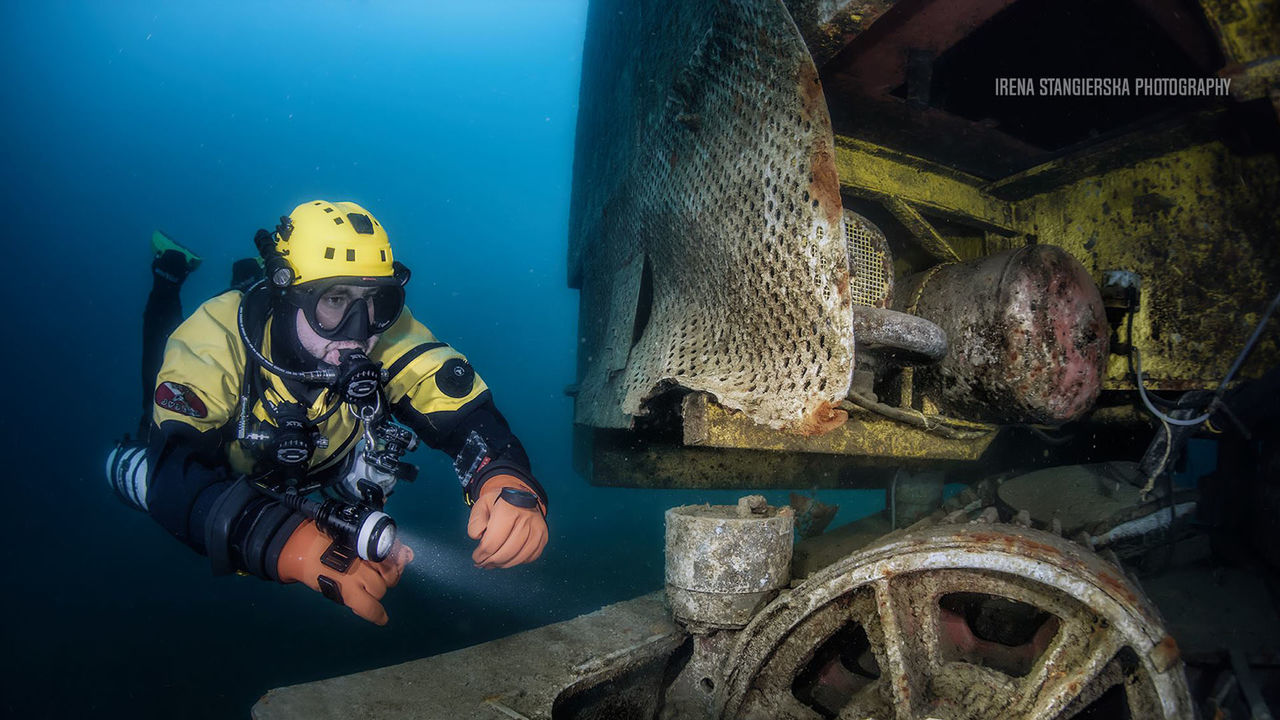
point(894, 651)
point(1067, 673)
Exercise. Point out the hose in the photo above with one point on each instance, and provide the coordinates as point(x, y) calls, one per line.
point(946, 427)
point(321, 376)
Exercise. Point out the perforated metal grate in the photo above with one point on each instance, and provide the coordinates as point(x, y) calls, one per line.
point(870, 264)
point(718, 262)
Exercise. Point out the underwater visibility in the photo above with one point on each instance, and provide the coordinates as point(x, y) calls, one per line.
point(661, 359)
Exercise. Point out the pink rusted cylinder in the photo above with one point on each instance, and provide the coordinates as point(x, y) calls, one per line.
point(1027, 331)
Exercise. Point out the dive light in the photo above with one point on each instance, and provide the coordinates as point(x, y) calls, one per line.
point(360, 526)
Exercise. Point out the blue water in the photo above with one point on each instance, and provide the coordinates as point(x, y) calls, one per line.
point(454, 125)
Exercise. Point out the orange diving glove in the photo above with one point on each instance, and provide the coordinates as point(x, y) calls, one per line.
point(359, 586)
point(511, 528)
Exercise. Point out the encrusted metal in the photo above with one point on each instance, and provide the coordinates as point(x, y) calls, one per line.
point(897, 337)
point(709, 247)
point(724, 562)
point(870, 262)
point(1027, 335)
point(963, 622)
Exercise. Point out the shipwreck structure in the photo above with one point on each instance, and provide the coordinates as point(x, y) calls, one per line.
point(829, 244)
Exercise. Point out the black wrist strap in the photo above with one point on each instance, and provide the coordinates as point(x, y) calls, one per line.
point(503, 467)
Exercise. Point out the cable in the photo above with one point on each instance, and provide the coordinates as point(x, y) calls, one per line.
point(1222, 386)
point(1168, 448)
point(1142, 392)
point(323, 376)
point(1257, 332)
point(946, 427)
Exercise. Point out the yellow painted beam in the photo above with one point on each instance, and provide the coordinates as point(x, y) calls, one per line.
point(927, 235)
point(876, 172)
point(707, 424)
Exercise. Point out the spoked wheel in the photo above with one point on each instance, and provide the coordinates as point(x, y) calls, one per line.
point(959, 622)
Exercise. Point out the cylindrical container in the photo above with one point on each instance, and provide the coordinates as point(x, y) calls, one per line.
point(724, 562)
point(1027, 331)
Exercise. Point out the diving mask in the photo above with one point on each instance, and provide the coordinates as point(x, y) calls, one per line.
point(349, 308)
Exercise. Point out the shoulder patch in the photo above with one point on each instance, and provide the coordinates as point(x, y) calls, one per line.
point(455, 378)
point(180, 399)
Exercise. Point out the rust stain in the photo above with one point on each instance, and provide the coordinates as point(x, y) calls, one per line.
point(822, 420)
point(1119, 587)
point(825, 186)
point(1165, 654)
point(842, 286)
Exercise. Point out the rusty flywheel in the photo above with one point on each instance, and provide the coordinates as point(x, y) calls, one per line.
point(959, 622)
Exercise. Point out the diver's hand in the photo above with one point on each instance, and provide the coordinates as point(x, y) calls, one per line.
point(509, 535)
point(362, 585)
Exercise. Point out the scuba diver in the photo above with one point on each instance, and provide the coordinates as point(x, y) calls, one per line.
point(280, 414)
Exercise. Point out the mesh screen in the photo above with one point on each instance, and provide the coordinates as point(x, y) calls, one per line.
point(715, 258)
point(870, 263)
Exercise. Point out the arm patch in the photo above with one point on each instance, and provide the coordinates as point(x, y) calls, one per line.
point(455, 378)
point(181, 399)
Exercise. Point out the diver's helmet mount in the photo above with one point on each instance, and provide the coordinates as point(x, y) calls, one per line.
point(278, 271)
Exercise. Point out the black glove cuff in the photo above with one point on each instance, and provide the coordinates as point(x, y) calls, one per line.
point(228, 508)
point(247, 531)
point(503, 467)
point(270, 526)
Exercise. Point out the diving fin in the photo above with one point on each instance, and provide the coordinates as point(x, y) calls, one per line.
point(161, 243)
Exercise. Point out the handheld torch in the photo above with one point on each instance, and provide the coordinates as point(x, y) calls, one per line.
point(361, 526)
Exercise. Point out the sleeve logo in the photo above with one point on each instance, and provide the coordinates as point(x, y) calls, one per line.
point(180, 399)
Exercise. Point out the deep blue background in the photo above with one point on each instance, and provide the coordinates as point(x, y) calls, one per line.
point(208, 120)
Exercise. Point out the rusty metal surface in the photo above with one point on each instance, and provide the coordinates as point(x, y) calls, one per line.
point(883, 174)
point(1027, 332)
point(1192, 218)
point(710, 425)
point(878, 634)
point(704, 159)
point(1246, 29)
point(877, 63)
point(924, 233)
point(662, 466)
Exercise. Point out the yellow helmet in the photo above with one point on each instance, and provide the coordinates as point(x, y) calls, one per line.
point(334, 239)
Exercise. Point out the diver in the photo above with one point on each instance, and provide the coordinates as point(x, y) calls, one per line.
point(281, 411)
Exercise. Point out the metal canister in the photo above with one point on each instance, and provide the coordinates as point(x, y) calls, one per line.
point(1028, 335)
point(724, 562)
